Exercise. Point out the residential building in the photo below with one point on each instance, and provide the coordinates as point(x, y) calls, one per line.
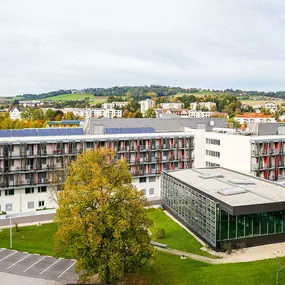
point(114, 105)
point(196, 106)
point(178, 112)
point(94, 113)
point(32, 103)
point(15, 113)
point(195, 114)
point(270, 105)
point(172, 105)
point(65, 124)
point(146, 104)
point(254, 118)
point(226, 208)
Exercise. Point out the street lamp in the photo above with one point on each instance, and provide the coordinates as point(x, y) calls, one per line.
point(9, 209)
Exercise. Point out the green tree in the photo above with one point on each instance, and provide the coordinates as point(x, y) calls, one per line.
point(101, 217)
point(150, 113)
point(49, 114)
point(37, 114)
point(27, 114)
point(69, 116)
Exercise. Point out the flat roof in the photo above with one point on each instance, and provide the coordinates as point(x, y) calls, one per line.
point(16, 140)
point(236, 193)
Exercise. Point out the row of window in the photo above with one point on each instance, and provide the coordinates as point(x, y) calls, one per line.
point(213, 141)
point(31, 205)
point(150, 179)
point(11, 192)
point(213, 153)
point(211, 164)
point(150, 191)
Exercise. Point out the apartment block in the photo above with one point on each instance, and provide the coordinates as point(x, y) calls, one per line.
point(172, 105)
point(147, 104)
point(33, 165)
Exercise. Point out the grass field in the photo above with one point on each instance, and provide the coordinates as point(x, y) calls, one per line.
point(175, 236)
point(260, 102)
point(78, 96)
point(198, 94)
point(170, 269)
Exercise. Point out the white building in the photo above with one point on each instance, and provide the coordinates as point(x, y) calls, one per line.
point(32, 103)
point(94, 113)
point(202, 105)
point(174, 105)
point(254, 118)
point(15, 113)
point(146, 104)
point(114, 104)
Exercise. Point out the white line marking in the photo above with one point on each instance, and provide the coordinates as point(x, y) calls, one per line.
point(50, 266)
point(66, 269)
point(34, 264)
point(18, 261)
point(8, 256)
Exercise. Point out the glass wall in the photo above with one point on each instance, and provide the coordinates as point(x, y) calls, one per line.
point(195, 209)
point(243, 226)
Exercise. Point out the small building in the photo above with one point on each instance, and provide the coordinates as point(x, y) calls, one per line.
point(224, 207)
point(15, 113)
point(65, 124)
point(172, 105)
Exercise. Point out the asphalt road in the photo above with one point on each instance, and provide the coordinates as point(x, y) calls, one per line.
point(29, 219)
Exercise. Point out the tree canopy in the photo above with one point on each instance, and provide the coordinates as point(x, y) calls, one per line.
point(101, 217)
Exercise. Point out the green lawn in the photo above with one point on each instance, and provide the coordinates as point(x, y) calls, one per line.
point(78, 96)
point(33, 239)
point(171, 269)
point(175, 236)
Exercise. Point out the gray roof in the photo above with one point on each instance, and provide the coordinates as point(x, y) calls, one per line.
point(97, 126)
point(235, 192)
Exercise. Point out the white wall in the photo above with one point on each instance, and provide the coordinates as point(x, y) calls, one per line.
point(199, 149)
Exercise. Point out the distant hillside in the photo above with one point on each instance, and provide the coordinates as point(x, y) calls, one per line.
point(69, 97)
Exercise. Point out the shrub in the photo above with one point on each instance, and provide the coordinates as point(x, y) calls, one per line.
point(3, 213)
point(159, 233)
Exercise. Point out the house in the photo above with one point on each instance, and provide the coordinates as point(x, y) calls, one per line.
point(15, 113)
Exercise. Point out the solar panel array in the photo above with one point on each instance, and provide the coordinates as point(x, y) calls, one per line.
point(41, 132)
point(129, 130)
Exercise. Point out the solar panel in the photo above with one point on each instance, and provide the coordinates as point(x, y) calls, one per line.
point(17, 133)
point(5, 133)
point(30, 132)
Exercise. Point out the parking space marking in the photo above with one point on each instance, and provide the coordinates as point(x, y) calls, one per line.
point(50, 266)
point(8, 255)
point(66, 269)
point(18, 261)
point(34, 264)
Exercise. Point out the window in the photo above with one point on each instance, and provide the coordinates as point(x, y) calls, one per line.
point(151, 191)
point(142, 180)
point(42, 189)
point(29, 190)
point(31, 205)
point(213, 141)
point(41, 203)
point(144, 191)
point(213, 153)
point(152, 179)
point(9, 192)
point(8, 207)
point(211, 164)
point(44, 161)
point(12, 162)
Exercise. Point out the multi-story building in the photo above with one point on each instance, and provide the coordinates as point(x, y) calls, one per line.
point(114, 104)
point(195, 114)
point(172, 105)
point(94, 113)
point(15, 113)
point(254, 118)
point(146, 104)
point(202, 105)
point(259, 151)
point(33, 162)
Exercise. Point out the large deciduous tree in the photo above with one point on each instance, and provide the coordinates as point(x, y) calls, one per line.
point(101, 217)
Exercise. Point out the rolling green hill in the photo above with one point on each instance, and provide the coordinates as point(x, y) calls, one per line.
point(77, 96)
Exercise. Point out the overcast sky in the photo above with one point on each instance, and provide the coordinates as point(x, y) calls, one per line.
point(62, 44)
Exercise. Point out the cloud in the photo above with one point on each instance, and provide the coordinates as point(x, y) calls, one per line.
point(49, 45)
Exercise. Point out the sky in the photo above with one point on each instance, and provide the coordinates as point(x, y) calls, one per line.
point(66, 44)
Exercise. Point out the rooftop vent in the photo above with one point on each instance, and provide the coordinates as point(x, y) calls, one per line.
point(241, 182)
point(231, 191)
point(208, 176)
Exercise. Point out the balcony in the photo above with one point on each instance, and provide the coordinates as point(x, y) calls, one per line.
point(254, 166)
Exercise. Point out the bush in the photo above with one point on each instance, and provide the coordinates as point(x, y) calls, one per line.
point(159, 233)
point(3, 213)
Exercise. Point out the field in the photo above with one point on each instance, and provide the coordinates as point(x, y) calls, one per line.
point(175, 236)
point(198, 94)
point(78, 96)
point(261, 102)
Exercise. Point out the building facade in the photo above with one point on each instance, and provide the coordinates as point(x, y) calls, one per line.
point(94, 113)
point(33, 168)
point(226, 208)
point(202, 105)
point(172, 105)
point(114, 104)
point(15, 113)
point(254, 118)
point(147, 104)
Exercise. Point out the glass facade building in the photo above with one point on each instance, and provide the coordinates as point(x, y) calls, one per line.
point(218, 224)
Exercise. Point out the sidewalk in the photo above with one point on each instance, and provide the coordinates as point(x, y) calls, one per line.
point(30, 220)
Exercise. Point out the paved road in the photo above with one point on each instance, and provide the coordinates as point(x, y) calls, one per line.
point(26, 220)
point(60, 271)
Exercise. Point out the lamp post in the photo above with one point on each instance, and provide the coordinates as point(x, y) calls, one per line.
point(9, 209)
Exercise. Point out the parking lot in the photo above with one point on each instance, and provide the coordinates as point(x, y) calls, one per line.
point(38, 266)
